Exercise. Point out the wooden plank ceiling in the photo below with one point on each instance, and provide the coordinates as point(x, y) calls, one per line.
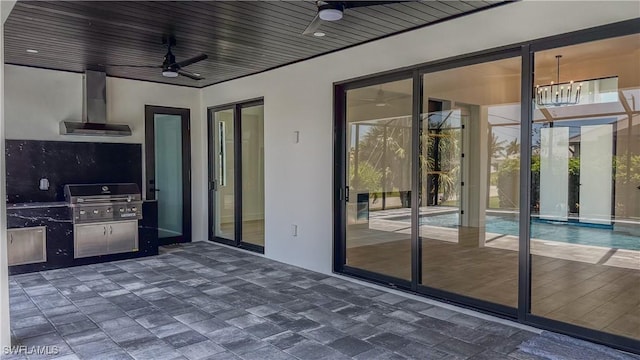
point(240, 38)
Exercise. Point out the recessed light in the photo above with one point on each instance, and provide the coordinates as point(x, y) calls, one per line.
point(196, 74)
point(32, 51)
point(319, 34)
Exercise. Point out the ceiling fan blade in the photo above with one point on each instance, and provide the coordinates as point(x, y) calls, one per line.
point(190, 75)
point(190, 61)
point(357, 4)
point(313, 26)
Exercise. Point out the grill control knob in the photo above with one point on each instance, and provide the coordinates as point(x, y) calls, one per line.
point(96, 211)
point(82, 212)
point(108, 210)
point(121, 209)
point(134, 209)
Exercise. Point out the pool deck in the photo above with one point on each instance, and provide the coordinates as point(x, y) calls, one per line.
point(391, 221)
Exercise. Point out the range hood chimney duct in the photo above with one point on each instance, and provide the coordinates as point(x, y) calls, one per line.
point(94, 110)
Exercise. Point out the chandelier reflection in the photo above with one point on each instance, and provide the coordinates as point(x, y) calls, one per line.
point(558, 94)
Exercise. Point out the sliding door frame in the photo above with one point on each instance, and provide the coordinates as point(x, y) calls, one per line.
point(237, 179)
point(524, 50)
point(340, 180)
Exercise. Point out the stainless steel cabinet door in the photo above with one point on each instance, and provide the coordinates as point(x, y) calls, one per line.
point(123, 236)
point(89, 240)
point(27, 245)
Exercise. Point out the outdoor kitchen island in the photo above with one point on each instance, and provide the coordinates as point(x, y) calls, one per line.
point(62, 191)
point(55, 220)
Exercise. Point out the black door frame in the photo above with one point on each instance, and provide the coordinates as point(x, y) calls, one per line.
point(524, 50)
point(185, 114)
point(237, 180)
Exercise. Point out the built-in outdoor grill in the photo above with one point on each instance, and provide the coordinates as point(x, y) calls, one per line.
point(105, 218)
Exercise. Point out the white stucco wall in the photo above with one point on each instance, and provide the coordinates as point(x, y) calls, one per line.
point(299, 97)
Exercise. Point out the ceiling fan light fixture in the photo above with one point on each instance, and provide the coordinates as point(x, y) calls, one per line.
point(319, 34)
point(330, 12)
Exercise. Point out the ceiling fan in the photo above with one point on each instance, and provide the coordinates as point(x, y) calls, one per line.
point(384, 98)
point(334, 11)
point(170, 67)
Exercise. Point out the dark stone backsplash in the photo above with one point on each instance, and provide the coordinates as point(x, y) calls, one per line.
point(65, 162)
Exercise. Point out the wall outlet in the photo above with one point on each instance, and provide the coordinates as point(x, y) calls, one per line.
point(294, 230)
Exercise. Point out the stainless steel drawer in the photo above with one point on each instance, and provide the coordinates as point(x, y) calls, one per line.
point(27, 245)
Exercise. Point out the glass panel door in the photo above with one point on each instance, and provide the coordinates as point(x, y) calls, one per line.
point(585, 195)
point(168, 171)
point(252, 125)
point(469, 166)
point(378, 163)
point(236, 163)
point(224, 201)
point(168, 174)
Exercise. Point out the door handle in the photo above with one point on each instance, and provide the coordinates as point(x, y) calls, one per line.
point(154, 190)
point(11, 238)
point(104, 230)
point(110, 230)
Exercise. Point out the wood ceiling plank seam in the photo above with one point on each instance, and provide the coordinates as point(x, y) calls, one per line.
point(55, 26)
point(49, 10)
point(363, 15)
point(445, 7)
point(394, 10)
point(426, 18)
point(355, 27)
point(273, 11)
point(428, 9)
point(387, 17)
point(292, 48)
point(51, 26)
point(412, 7)
point(286, 32)
point(462, 6)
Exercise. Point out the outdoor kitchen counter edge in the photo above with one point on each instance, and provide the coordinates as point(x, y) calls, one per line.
point(36, 205)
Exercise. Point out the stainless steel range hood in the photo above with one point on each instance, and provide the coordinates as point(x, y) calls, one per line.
point(94, 122)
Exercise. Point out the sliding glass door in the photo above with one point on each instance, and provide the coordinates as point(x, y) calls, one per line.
point(236, 175)
point(378, 182)
point(585, 195)
point(507, 181)
point(469, 166)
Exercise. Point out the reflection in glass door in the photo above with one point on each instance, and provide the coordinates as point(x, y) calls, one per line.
point(236, 175)
point(469, 161)
point(168, 171)
point(224, 175)
point(252, 124)
point(585, 195)
point(378, 182)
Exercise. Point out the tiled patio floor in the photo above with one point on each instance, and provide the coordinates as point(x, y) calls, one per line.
point(202, 300)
